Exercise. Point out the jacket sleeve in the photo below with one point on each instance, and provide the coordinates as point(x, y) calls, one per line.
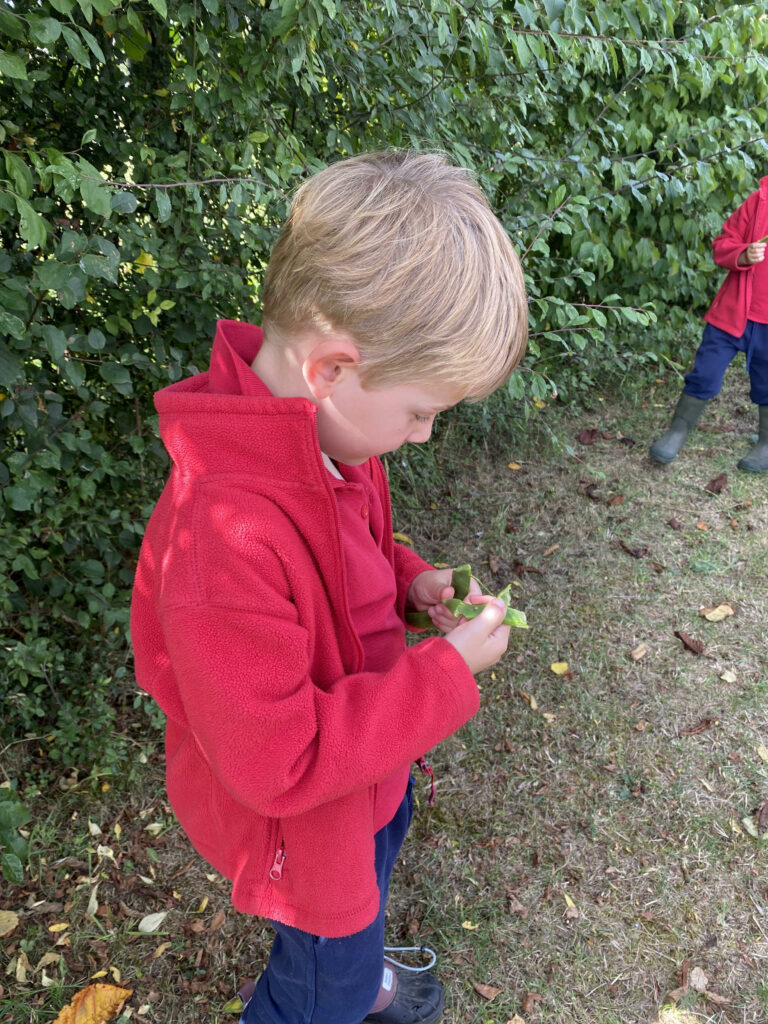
point(279, 742)
point(736, 235)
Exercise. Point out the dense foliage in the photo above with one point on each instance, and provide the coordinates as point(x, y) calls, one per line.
point(148, 153)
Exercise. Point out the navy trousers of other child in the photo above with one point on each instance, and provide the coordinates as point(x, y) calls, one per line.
point(717, 351)
point(314, 980)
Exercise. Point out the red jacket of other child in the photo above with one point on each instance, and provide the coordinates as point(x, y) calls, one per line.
point(747, 224)
point(275, 737)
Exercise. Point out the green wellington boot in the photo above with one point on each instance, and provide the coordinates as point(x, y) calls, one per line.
point(684, 420)
point(756, 460)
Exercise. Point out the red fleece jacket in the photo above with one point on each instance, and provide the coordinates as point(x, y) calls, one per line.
point(747, 224)
point(275, 737)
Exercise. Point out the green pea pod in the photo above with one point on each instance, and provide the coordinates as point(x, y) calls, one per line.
point(460, 581)
point(513, 616)
point(419, 620)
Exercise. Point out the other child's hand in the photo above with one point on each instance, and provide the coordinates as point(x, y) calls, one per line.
point(754, 253)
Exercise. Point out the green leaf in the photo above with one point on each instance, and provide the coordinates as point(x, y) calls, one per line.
point(11, 325)
point(94, 193)
point(124, 202)
point(163, 201)
point(11, 367)
point(75, 46)
point(93, 46)
point(160, 7)
point(31, 224)
point(118, 376)
point(44, 31)
point(13, 869)
point(12, 66)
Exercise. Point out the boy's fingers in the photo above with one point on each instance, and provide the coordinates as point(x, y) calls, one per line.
point(492, 615)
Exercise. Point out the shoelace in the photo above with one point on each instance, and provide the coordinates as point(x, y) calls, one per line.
point(411, 949)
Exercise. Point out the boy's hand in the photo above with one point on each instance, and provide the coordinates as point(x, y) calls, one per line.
point(754, 253)
point(483, 640)
point(428, 591)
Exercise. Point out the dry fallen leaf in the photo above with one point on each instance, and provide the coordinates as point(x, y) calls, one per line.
point(728, 676)
point(513, 465)
point(401, 538)
point(488, 992)
point(529, 700)
point(701, 726)
point(694, 646)
point(96, 1004)
point(589, 435)
point(8, 921)
point(152, 922)
point(517, 1019)
point(716, 614)
point(635, 552)
point(529, 1001)
point(469, 926)
point(639, 652)
point(718, 484)
point(559, 667)
point(762, 750)
point(698, 980)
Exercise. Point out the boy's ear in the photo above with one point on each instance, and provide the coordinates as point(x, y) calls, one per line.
point(328, 362)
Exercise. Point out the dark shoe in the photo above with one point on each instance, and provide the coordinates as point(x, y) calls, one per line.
point(419, 1000)
point(756, 459)
point(684, 420)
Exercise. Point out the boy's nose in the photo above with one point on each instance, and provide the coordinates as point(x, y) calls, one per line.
point(422, 433)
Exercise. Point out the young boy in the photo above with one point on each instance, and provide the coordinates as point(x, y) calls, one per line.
point(268, 610)
point(737, 321)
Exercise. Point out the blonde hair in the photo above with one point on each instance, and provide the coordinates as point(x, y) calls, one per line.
point(401, 251)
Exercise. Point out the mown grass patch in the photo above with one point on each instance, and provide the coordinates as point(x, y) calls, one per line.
point(595, 854)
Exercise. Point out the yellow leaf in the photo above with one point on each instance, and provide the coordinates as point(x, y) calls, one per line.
point(203, 904)
point(517, 1019)
point(162, 948)
point(146, 259)
point(639, 652)
point(529, 700)
point(559, 667)
point(569, 902)
point(61, 926)
point(401, 538)
point(548, 716)
point(728, 676)
point(47, 959)
point(514, 465)
point(98, 974)
point(96, 1004)
point(717, 614)
point(538, 403)
point(762, 751)
point(701, 526)
point(469, 926)
point(8, 921)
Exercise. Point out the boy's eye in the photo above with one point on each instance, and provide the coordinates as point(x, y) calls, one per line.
point(421, 419)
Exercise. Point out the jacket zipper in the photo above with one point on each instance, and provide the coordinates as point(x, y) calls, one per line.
point(276, 871)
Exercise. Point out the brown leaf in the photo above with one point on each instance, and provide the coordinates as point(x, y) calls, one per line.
point(488, 992)
point(217, 921)
point(635, 552)
point(615, 500)
point(701, 726)
point(694, 646)
point(590, 489)
point(589, 435)
point(761, 817)
point(675, 524)
point(96, 1004)
point(718, 484)
point(493, 563)
point(629, 441)
point(529, 1001)
point(658, 567)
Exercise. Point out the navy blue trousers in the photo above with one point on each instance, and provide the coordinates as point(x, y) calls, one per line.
point(313, 980)
point(717, 351)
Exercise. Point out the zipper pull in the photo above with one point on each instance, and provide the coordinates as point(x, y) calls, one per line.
point(276, 871)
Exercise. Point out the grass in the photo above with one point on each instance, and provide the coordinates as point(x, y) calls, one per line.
point(594, 846)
